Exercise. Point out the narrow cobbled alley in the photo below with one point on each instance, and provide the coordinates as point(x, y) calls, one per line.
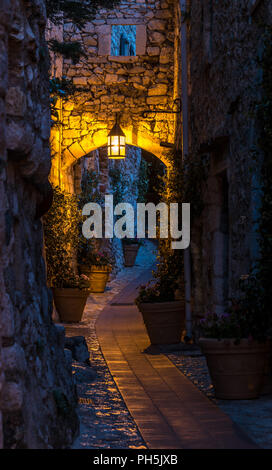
point(135, 228)
point(133, 396)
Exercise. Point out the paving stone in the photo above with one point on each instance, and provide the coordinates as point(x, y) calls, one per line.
point(106, 422)
point(160, 398)
point(243, 412)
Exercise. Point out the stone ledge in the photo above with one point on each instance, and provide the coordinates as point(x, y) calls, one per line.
point(123, 59)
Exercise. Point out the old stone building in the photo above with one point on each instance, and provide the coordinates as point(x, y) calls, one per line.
point(111, 81)
point(224, 84)
point(35, 377)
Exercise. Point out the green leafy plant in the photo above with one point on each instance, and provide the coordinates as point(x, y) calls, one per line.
point(59, 88)
point(89, 193)
point(69, 50)
point(143, 180)
point(168, 273)
point(69, 279)
point(61, 234)
point(242, 320)
point(96, 258)
point(118, 184)
point(89, 189)
point(79, 12)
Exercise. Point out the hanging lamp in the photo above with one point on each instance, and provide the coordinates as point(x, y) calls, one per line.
point(116, 142)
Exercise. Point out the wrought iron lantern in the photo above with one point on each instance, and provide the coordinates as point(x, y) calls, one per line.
point(116, 142)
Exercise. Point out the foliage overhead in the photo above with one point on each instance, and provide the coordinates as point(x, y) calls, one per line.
point(79, 12)
point(70, 50)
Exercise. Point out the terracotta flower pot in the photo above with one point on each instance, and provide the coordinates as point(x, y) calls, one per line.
point(164, 321)
point(98, 275)
point(130, 254)
point(70, 303)
point(236, 371)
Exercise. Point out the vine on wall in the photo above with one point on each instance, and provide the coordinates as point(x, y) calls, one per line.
point(169, 269)
point(61, 233)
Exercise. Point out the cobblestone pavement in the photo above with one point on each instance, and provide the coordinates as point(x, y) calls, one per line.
point(253, 416)
point(105, 422)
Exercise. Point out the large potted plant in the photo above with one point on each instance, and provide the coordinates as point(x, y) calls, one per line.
point(236, 346)
point(61, 233)
point(130, 249)
point(161, 301)
point(163, 314)
point(97, 265)
point(70, 293)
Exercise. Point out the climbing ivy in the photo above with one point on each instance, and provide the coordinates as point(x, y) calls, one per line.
point(182, 183)
point(168, 273)
point(89, 193)
point(143, 180)
point(61, 233)
point(118, 184)
point(79, 12)
point(59, 88)
point(69, 50)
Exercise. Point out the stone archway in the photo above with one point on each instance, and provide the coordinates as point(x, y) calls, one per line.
point(139, 137)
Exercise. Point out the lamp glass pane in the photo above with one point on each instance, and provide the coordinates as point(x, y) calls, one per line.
point(109, 146)
point(115, 140)
point(115, 150)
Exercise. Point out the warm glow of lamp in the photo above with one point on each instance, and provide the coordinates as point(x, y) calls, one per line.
point(116, 142)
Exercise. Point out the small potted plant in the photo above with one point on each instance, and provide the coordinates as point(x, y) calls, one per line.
point(130, 249)
point(97, 265)
point(70, 293)
point(236, 347)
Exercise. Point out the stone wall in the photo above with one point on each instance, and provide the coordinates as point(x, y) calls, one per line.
point(128, 85)
point(37, 403)
point(224, 84)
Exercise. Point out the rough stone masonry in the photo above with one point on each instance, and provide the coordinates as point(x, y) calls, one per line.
point(127, 84)
point(225, 45)
point(37, 393)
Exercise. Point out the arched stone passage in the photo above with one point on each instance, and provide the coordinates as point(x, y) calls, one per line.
point(99, 139)
point(62, 173)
